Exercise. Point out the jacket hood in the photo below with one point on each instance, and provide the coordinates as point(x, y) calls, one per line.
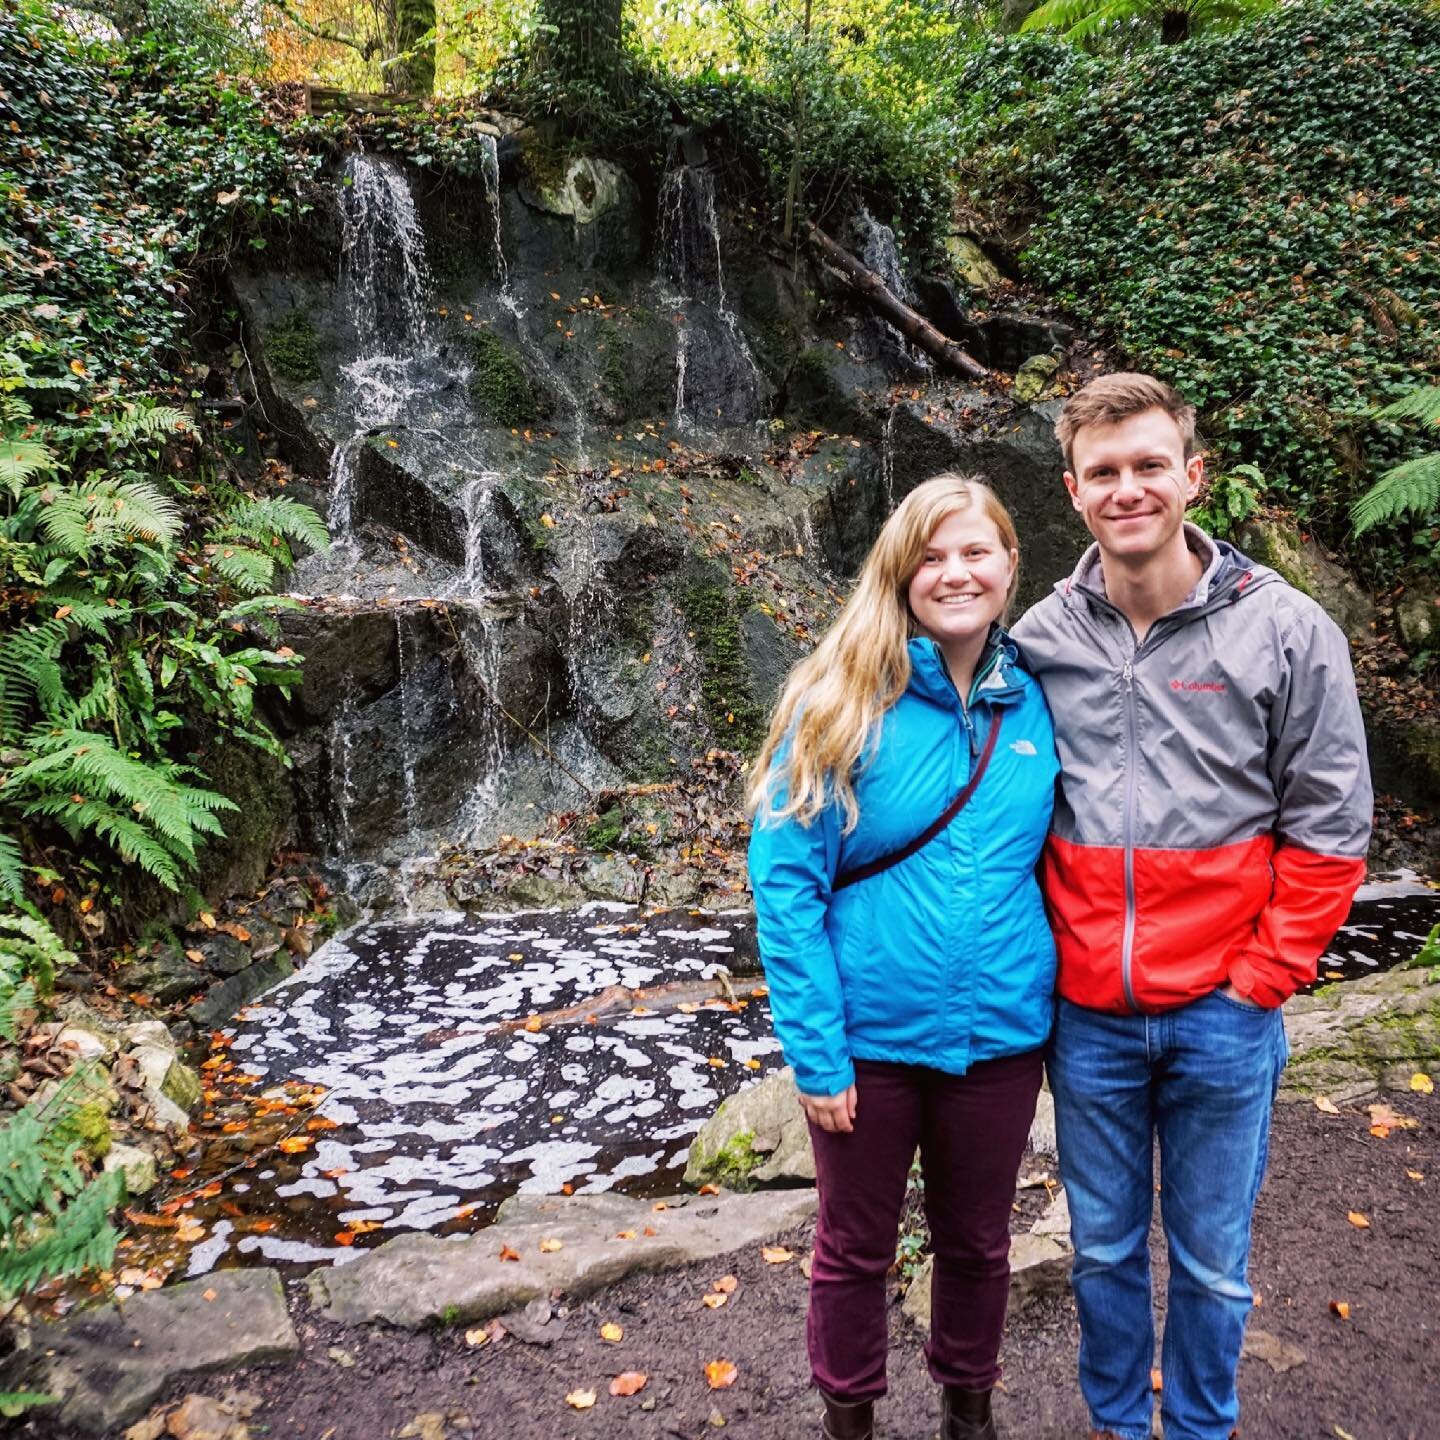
point(1227, 576)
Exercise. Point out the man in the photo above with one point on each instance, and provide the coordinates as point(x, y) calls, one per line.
point(1209, 834)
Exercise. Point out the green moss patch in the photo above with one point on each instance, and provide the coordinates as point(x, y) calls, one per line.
point(294, 349)
point(499, 384)
point(713, 615)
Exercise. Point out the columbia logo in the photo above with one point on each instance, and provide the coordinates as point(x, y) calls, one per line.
point(1022, 747)
point(1208, 687)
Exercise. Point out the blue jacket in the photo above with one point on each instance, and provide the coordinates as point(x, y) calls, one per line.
point(945, 958)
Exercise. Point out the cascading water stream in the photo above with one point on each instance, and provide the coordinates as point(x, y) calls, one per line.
point(882, 255)
point(689, 255)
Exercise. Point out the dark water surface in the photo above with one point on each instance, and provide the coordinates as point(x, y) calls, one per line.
point(432, 1136)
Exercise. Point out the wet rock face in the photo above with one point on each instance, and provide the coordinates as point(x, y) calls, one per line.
point(553, 422)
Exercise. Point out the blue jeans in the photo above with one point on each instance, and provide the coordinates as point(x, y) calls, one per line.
point(1203, 1077)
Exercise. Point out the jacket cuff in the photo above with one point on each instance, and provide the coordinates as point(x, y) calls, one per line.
point(824, 1083)
point(1255, 980)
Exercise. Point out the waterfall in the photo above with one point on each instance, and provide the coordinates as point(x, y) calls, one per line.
point(689, 256)
point(881, 254)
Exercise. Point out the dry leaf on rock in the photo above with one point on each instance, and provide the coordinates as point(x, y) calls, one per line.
point(775, 1254)
point(1326, 1105)
point(580, 1399)
point(720, 1374)
point(1421, 1083)
point(612, 1332)
point(726, 1284)
point(628, 1382)
point(1340, 1308)
point(715, 1301)
point(152, 1427)
point(550, 1245)
point(1157, 1381)
point(428, 1426)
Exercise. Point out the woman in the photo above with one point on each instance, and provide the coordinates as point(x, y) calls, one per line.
point(912, 995)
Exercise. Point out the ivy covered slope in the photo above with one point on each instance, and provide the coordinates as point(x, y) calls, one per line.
point(136, 559)
point(1256, 217)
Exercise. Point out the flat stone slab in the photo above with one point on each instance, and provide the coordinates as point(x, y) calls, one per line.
point(110, 1364)
point(417, 1280)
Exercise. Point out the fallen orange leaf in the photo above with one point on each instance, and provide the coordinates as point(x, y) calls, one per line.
point(1358, 1220)
point(294, 1144)
point(1340, 1308)
point(345, 1237)
point(1326, 1105)
point(709, 1190)
point(715, 1301)
point(506, 1253)
point(580, 1399)
point(775, 1254)
point(721, 1374)
point(532, 1024)
point(1415, 1174)
point(234, 1127)
point(1421, 1083)
point(624, 1234)
point(612, 1332)
point(208, 1295)
point(628, 1382)
point(726, 1284)
point(321, 1122)
point(550, 1245)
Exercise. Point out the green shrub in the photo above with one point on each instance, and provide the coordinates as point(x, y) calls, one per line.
point(1254, 217)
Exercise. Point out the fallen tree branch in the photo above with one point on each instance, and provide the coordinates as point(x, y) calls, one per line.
point(910, 323)
point(614, 1001)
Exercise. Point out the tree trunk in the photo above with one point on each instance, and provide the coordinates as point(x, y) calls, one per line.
point(910, 323)
point(415, 74)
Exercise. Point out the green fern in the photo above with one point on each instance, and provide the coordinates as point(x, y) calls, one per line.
point(101, 513)
point(249, 570)
point(54, 1221)
point(1090, 20)
point(262, 520)
point(1412, 487)
point(144, 809)
point(22, 459)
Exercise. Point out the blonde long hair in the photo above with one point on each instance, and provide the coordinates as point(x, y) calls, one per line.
point(836, 696)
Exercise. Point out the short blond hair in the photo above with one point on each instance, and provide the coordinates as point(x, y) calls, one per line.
point(1108, 399)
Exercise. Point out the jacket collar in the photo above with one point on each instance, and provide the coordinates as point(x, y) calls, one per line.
point(1000, 678)
point(1227, 575)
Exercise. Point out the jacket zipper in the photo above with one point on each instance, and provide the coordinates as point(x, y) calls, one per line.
point(985, 669)
point(1127, 945)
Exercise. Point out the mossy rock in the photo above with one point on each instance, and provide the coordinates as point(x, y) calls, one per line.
point(757, 1137)
point(292, 348)
point(182, 1085)
point(88, 1126)
point(715, 615)
point(499, 384)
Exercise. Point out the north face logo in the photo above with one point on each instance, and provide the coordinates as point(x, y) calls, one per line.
point(1208, 687)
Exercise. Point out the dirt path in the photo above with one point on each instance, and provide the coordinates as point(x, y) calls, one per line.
point(1373, 1376)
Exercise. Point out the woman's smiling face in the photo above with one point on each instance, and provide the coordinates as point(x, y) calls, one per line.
point(963, 581)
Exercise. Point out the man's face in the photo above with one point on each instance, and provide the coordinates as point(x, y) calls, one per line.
point(1131, 483)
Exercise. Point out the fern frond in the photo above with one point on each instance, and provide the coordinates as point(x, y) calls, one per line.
point(30, 950)
point(30, 673)
point(1412, 488)
point(262, 520)
point(12, 870)
point(249, 570)
point(22, 459)
point(98, 513)
point(1422, 404)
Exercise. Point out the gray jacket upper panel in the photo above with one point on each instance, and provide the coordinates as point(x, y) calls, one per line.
point(1245, 718)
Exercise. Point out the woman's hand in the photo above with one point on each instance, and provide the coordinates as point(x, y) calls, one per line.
point(831, 1112)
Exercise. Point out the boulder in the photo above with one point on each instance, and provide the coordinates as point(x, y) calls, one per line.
point(583, 192)
point(224, 954)
point(86, 1042)
point(1417, 617)
point(165, 976)
point(1035, 377)
point(419, 1280)
point(970, 264)
point(1039, 1265)
point(1304, 564)
point(137, 1166)
point(148, 1032)
point(1351, 1039)
point(225, 997)
point(756, 1137)
point(109, 1364)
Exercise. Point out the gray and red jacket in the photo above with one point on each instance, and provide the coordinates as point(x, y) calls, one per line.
point(1214, 804)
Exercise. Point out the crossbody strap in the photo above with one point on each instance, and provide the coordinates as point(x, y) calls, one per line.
point(884, 862)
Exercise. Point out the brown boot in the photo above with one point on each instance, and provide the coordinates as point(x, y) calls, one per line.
point(965, 1415)
point(848, 1419)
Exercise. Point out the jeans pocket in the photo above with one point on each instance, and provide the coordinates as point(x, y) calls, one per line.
point(1246, 1007)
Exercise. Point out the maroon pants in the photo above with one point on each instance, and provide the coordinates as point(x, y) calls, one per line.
point(971, 1131)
